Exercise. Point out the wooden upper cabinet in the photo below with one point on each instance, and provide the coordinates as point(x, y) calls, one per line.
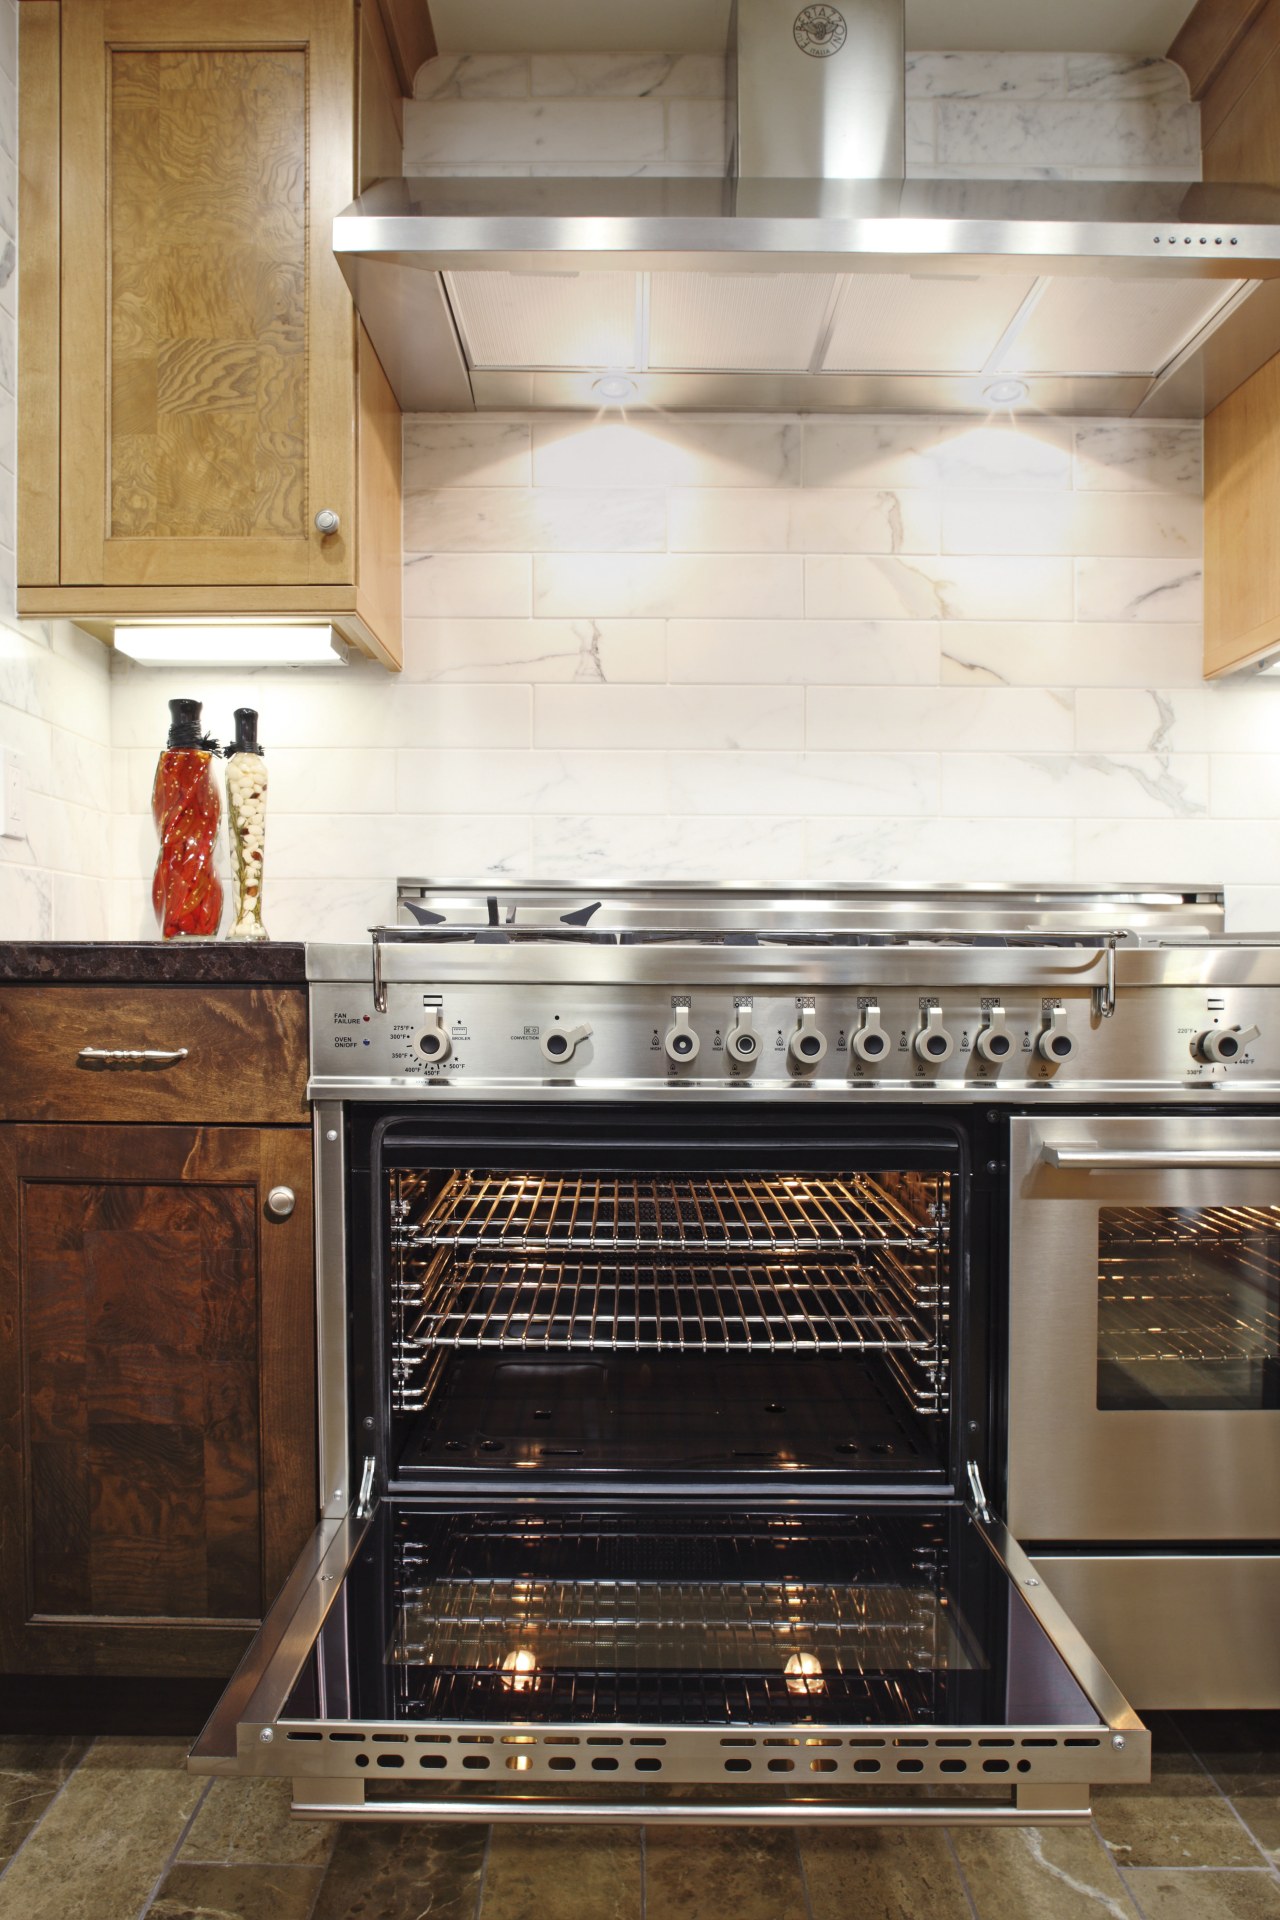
point(213, 392)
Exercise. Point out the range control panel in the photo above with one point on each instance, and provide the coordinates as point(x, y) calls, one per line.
point(490, 1036)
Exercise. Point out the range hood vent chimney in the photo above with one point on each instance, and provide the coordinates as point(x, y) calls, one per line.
point(819, 93)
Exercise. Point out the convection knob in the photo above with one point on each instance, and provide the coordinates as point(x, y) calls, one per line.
point(682, 1042)
point(561, 1043)
point(1055, 1043)
point(1226, 1043)
point(808, 1043)
point(871, 1042)
point(933, 1043)
point(995, 1042)
point(743, 1041)
point(433, 1043)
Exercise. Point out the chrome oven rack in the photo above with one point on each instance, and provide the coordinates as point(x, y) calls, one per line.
point(1199, 1286)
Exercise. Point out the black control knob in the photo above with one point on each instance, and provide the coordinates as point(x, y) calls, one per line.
point(1225, 1043)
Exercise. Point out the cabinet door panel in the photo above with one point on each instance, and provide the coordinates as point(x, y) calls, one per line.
point(208, 334)
point(159, 1478)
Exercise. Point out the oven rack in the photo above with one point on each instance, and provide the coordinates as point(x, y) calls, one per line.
point(577, 1305)
point(560, 1212)
point(1206, 1328)
point(1127, 1230)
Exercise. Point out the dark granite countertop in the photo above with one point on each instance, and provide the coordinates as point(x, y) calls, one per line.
point(228, 963)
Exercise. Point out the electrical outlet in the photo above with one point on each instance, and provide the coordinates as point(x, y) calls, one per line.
point(13, 796)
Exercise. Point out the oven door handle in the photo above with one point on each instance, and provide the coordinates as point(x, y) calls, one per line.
point(1087, 1157)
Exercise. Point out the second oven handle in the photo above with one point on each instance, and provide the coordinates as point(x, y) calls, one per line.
point(1090, 1158)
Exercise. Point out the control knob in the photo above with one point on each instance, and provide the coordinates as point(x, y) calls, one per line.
point(871, 1042)
point(742, 1040)
point(1055, 1043)
point(933, 1043)
point(808, 1043)
point(432, 1042)
point(561, 1043)
point(681, 1042)
point(995, 1042)
point(1225, 1043)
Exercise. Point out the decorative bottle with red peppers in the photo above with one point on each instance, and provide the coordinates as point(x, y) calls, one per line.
point(186, 891)
point(247, 811)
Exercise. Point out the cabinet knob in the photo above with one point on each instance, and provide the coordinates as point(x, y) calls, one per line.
point(281, 1202)
point(327, 521)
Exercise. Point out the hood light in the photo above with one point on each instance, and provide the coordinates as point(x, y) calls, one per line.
point(227, 644)
point(1006, 393)
point(614, 388)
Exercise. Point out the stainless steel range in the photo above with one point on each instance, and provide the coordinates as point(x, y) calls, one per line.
point(702, 1271)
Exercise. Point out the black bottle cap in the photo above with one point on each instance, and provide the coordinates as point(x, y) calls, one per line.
point(184, 723)
point(246, 740)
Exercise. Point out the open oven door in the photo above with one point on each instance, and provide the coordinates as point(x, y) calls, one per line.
point(893, 1661)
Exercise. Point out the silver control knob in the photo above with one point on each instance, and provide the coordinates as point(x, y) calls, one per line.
point(871, 1042)
point(933, 1043)
point(995, 1042)
point(1226, 1043)
point(432, 1042)
point(743, 1041)
point(1055, 1043)
point(808, 1043)
point(682, 1042)
point(561, 1043)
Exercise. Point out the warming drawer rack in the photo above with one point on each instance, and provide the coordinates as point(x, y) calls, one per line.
point(721, 1264)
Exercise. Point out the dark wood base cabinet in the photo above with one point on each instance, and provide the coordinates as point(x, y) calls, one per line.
point(157, 1392)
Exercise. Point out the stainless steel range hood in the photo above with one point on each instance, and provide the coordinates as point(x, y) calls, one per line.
point(814, 275)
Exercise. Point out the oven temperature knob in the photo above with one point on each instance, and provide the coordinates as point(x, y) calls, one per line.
point(682, 1042)
point(433, 1043)
point(742, 1040)
point(1226, 1043)
point(561, 1043)
point(933, 1043)
point(995, 1042)
point(871, 1042)
point(1055, 1043)
point(808, 1043)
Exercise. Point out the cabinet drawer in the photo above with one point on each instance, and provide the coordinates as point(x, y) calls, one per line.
point(225, 1054)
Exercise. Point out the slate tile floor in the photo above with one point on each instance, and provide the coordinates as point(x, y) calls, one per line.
point(115, 1829)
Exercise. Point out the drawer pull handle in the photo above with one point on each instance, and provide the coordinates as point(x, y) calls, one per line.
point(131, 1056)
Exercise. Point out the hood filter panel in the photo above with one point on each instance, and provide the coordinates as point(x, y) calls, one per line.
point(749, 322)
point(546, 319)
point(914, 323)
point(1083, 325)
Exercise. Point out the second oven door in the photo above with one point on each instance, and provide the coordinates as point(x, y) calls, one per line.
point(1144, 1329)
point(646, 1661)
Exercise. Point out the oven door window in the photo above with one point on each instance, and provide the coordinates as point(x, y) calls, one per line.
point(1188, 1308)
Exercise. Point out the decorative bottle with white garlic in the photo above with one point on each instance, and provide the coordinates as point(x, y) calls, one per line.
point(247, 815)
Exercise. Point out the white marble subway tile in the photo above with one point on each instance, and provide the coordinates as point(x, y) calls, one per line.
point(474, 133)
point(757, 586)
point(528, 650)
point(535, 520)
point(431, 170)
point(991, 170)
point(577, 450)
point(603, 718)
point(358, 707)
point(62, 837)
point(1124, 76)
point(1222, 718)
point(960, 587)
point(354, 779)
point(1185, 170)
point(1252, 909)
point(986, 76)
point(804, 783)
point(1135, 525)
point(1027, 851)
point(1049, 132)
point(1246, 786)
point(28, 735)
point(1139, 590)
point(81, 907)
point(695, 134)
point(920, 135)
point(340, 906)
point(1127, 455)
point(472, 76)
point(79, 769)
point(464, 450)
point(431, 780)
point(1076, 786)
point(1192, 852)
point(488, 584)
point(939, 719)
point(9, 42)
point(318, 844)
point(817, 653)
point(634, 76)
point(933, 452)
point(26, 903)
point(803, 520)
point(1060, 654)
point(670, 847)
